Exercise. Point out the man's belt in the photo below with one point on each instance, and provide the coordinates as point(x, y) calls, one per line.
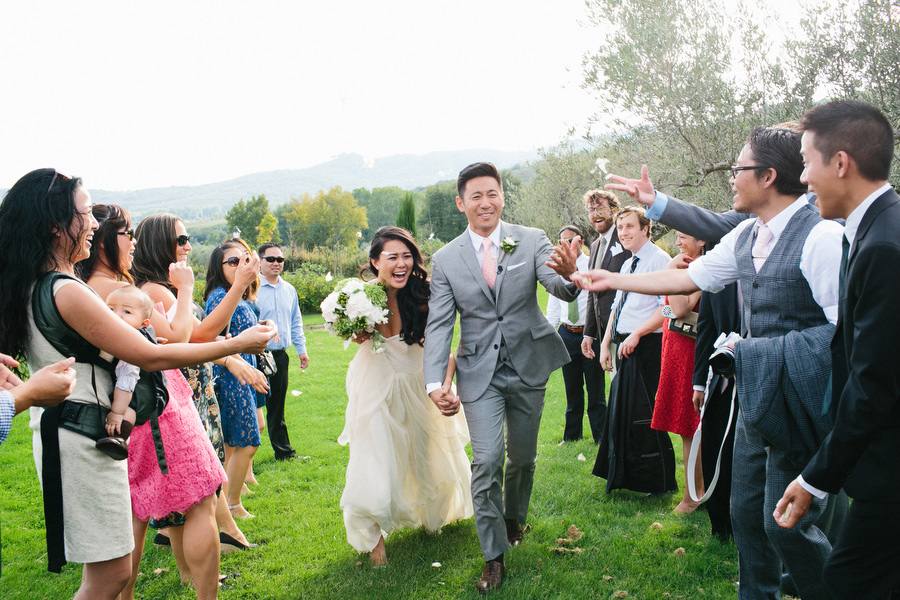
point(618, 338)
point(578, 329)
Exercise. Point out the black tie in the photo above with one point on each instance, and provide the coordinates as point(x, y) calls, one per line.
point(845, 254)
point(634, 262)
point(842, 275)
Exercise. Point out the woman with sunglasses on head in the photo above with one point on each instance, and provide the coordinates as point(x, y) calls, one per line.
point(47, 226)
point(674, 408)
point(237, 399)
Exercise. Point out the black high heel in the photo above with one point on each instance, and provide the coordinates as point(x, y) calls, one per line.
point(229, 544)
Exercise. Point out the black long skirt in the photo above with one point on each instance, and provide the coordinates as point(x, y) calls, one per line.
point(631, 455)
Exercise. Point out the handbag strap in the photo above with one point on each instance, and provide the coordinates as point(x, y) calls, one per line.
point(695, 445)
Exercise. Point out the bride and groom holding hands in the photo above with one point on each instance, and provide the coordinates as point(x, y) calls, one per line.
point(507, 350)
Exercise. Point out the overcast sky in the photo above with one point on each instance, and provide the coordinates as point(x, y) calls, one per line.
point(133, 95)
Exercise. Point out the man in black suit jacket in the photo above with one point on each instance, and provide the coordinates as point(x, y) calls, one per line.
point(848, 148)
point(606, 253)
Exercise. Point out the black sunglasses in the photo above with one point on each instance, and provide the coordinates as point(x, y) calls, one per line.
point(235, 261)
point(129, 233)
point(182, 240)
point(272, 259)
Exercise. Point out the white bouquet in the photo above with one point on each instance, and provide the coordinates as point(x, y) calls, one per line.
point(355, 307)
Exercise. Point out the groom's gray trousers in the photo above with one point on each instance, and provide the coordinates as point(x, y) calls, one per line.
point(495, 497)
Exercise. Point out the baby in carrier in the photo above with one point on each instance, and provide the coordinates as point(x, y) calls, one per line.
point(134, 307)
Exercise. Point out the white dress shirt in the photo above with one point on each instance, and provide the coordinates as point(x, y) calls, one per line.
point(820, 258)
point(478, 243)
point(640, 307)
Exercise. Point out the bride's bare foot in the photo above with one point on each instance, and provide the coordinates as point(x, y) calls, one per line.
point(245, 491)
point(378, 557)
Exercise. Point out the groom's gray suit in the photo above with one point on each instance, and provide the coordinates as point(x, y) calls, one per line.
point(506, 352)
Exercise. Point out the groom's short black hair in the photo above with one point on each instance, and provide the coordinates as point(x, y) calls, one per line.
point(479, 169)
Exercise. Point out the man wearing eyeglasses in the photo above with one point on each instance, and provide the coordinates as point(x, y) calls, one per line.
point(606, 253)
point(786, 260)
point(278, 302)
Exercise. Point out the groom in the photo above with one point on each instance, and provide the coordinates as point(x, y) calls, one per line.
point(506, 352)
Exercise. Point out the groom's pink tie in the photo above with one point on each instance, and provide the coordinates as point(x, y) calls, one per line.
point(489, 264)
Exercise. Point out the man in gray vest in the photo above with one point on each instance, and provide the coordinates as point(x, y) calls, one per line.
point(786, 261)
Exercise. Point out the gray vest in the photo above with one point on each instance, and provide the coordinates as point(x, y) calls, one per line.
point(778, 299)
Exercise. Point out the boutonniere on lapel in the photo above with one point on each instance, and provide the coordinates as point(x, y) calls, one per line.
point(508, 245)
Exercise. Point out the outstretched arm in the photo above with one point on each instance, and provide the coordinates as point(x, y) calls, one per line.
point(657, 283)
point(695, 221)
point(83, 310)
point(640, 190)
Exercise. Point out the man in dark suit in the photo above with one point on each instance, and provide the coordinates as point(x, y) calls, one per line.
point(606, 253)
point(786, 261)
point(848, 148)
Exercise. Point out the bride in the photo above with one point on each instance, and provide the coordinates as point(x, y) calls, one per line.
point(408, 466)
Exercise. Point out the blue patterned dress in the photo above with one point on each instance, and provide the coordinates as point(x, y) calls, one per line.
point(237, 402)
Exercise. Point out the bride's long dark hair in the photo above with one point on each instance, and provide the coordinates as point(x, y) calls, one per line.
point(413, 297)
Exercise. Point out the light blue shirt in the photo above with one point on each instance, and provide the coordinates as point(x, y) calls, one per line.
point(656, 210)
point(7, 412)
point(279, 303)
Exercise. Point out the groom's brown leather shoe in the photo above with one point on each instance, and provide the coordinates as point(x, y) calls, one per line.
point(491, 578)
point(513, 532)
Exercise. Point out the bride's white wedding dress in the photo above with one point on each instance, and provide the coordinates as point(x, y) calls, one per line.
point(408, 466)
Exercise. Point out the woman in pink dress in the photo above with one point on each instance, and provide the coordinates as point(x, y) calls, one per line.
point(674, 409)
point(183, 500)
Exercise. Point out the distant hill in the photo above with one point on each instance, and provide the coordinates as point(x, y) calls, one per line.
point(350, 171)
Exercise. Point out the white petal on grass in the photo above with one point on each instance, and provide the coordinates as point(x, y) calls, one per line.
point(296, 392)
point(581, 457)
point(436, 565)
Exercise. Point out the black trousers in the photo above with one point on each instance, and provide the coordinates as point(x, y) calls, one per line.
point(278, 434)
point(579, 375)
point(865, 562)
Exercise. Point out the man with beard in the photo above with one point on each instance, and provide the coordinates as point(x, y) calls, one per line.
point(606, 253)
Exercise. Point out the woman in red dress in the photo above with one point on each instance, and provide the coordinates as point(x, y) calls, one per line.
point(674, 409)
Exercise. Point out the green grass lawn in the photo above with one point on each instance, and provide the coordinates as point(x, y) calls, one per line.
point(633, 546)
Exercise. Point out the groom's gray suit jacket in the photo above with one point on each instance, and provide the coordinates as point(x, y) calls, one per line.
point(507, 315)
